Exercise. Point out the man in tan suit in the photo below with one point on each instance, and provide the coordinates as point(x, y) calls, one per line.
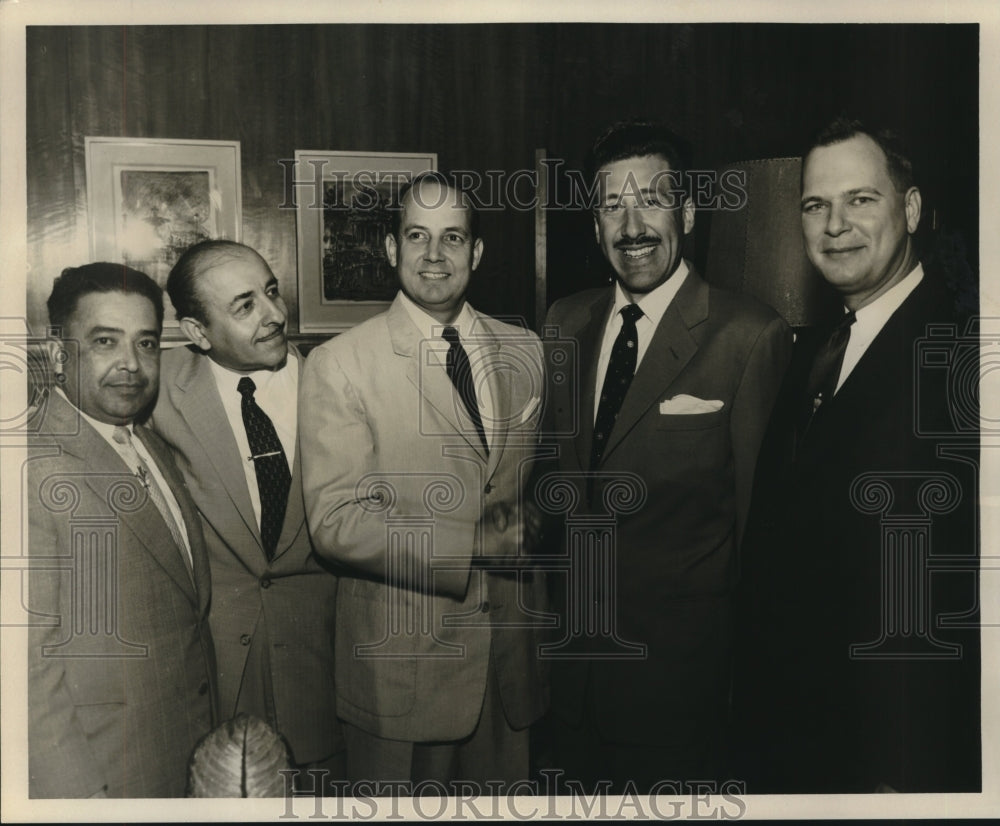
point(418, 429)
point(227, 407)
point(121, 681)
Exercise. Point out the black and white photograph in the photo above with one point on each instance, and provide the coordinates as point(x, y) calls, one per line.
point(595, 420)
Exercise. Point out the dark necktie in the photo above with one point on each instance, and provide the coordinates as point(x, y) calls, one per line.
point(460, 373)
point(270, 464)
point(825, 371)
point(621, 369)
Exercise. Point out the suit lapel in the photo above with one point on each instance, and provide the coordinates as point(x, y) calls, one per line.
point(499, 377)
point(201, 404)
point(199, 559)
point(589, 339)
point(295, 513)
point(428, 375)
point(670, 349)
point(876, 370)
point(146, 524)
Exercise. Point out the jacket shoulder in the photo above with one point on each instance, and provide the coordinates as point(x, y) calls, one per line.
point(742, 307)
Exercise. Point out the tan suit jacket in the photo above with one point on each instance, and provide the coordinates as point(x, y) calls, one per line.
point(395, 480)
point(287, 604)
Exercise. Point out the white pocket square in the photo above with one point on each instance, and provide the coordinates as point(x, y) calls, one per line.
point(686, 405)
point(529, 408)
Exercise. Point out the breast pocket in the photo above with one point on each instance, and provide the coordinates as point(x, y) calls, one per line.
point(691, 421)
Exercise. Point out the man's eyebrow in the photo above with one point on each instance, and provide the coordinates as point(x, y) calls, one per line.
point(241, 297)
point(93, 331)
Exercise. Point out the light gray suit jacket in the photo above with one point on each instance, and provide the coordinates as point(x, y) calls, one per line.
point(395, 480)
point(121, 671)
point(290, 601)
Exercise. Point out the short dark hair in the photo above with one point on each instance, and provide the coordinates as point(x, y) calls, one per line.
point(182, 284)
point(843, 128)
point(101, 277)
point(637, 139)
point(396, 210)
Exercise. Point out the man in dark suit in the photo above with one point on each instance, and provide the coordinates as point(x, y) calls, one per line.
point(121, 669)
point(658, 440)
point(227, 407)
point(419, 428)
point(858, 663)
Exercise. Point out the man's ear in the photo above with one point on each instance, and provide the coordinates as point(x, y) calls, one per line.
point(390, 249)
point(195, 332)
point(687, 215)
point(912, 204)
point(56, 353)
point(477, 252)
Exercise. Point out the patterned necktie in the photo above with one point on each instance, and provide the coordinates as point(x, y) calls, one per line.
point(825, 371)
point(270, 465)
point(460, 373)
point(621, 369)
point(123, 437)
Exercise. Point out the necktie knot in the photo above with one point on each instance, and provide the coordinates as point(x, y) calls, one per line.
point(846, 322)
point(631, 313)
point(246, 388)
point(450, 334)
point(122, 435)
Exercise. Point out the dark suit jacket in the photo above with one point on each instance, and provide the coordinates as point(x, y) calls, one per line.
point(395, 484)
point(675, 553)
point(121, 670)
point(287, 604)
point(811, 716)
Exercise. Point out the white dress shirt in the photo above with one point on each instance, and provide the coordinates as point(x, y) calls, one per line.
point(476, 348)
point(277, 395)
point(870, 320)
point(107, 432)
point(653, 305)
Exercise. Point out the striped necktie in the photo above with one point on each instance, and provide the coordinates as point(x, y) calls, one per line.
point(123, 437)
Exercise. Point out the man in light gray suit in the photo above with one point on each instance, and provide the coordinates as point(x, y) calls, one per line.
point(227, 407)
point(418, 430)
point(121, 680)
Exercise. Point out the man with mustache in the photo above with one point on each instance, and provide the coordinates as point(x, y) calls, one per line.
point(676, 382)
point(121, 682)
point(227, 407)
point(858, 658)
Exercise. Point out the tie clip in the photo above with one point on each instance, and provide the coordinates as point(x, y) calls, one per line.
point(263, 455)
point(143, 477)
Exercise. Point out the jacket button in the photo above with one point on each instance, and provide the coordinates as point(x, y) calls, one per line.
point(265, 583)
point(485, 607)
point(203, 689)
point(244, 639)
point(489, 487)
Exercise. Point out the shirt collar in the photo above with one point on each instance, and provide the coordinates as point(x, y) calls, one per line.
point(654, 303)
point(228, 379)
point(876, 314)
point(430, 327)
point(103, 428)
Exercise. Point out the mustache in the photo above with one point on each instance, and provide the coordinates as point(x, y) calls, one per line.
point(640, 240)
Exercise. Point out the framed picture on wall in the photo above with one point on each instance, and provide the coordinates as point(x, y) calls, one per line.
point(342, 202)
point(149, 200)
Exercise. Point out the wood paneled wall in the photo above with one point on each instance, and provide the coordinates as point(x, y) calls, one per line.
point(483, 97)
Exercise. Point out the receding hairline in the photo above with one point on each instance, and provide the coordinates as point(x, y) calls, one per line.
point(462, 201)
